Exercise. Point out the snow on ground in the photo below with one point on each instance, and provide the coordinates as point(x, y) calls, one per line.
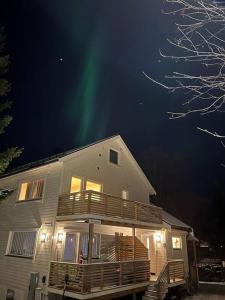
point(206, 297)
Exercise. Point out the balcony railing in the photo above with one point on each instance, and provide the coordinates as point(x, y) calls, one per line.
point(87, 278)
point(95, 203)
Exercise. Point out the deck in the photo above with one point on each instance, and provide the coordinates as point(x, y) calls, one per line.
point(85, 281)
point(92, 278)
point(91, 204)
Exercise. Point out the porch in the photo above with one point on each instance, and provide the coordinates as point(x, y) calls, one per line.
point(91, 260)
point(92, 278)
point(85, 281)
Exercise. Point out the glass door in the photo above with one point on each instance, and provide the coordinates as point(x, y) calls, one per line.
point(71, 244)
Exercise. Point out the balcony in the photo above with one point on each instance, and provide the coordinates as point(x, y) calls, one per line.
point(102, 206)
point(94, 278)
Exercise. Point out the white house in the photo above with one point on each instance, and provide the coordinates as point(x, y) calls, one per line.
point(81, 224)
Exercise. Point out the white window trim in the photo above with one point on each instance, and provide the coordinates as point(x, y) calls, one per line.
point(128, 194)
point(119, 160)
point(31, 200)
point(9, 243)
point(181, 242)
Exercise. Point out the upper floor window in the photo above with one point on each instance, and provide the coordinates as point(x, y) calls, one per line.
point(177, 242)
point(75, 185)
point(94, 186)
point(21, 243)
point(113, 156)
point(31, 190)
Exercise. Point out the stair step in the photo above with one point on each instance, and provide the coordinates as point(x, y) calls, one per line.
point(151, 292)
point(149, 298)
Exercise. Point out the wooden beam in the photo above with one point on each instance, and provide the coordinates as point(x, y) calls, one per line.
point(133, 234)
point(90, 242)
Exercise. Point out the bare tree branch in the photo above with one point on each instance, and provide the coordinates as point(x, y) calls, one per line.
point(200, 40)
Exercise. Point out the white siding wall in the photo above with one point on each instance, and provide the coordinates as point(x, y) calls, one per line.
point(177, 253)
point(15, 271)
point(93, 163)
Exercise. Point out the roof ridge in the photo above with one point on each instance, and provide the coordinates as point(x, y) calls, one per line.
point(51, 159)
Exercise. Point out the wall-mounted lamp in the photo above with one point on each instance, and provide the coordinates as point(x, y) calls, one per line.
point(60, 238)
point(158, 238)
point(43, 237)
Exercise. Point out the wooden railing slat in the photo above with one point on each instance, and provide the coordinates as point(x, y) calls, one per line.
point(91, 202)
point(87, 278)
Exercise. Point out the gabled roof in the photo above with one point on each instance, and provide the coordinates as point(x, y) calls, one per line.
point(49, 160)
point(174, 222)
point(62, 156)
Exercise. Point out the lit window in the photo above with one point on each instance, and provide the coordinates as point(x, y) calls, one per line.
point(31, 190)
point(176, 242)
point(21, 243)
point(125, 194)
point(75, 185)
point(23, 191)
point(113, 156)
point(93, 186)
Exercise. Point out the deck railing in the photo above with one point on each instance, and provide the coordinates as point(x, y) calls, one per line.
point(172, 272)
point(95, 203)
point(87, 278)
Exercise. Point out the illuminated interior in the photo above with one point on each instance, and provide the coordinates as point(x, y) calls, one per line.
point(94, 186)
point(75, 185)
point(23, 191)
point(176, 242)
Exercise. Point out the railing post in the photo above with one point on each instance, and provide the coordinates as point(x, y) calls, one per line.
point(136, 211)
point(73, 204)
point(89, 202)
point(121, 273)
point(102, 277)
point(174, 273)
point(183, 270)
point(134, 272)
point(168, 273)
point(106, 205)
point(133, 235)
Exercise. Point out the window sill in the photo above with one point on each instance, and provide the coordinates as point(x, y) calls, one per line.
point(29, 200)
point(21, 256)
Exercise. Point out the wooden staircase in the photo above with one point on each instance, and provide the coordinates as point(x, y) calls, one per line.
point(172, 274)
point(151, 293)
point(124, 248)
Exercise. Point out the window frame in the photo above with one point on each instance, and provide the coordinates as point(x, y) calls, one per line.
point(81, 185)
point(118, 157)
point(90, 180)
point(177, 237)
point(31, 191)
point(127, 194)
point(10, 239)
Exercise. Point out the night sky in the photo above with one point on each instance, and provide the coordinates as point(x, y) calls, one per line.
point(76, 73)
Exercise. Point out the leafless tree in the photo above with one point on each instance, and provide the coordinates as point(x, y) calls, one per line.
point(200, 41)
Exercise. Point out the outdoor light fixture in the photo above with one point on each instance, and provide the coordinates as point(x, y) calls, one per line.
point(43, 237)
point(60, 237)
point(158, 237)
